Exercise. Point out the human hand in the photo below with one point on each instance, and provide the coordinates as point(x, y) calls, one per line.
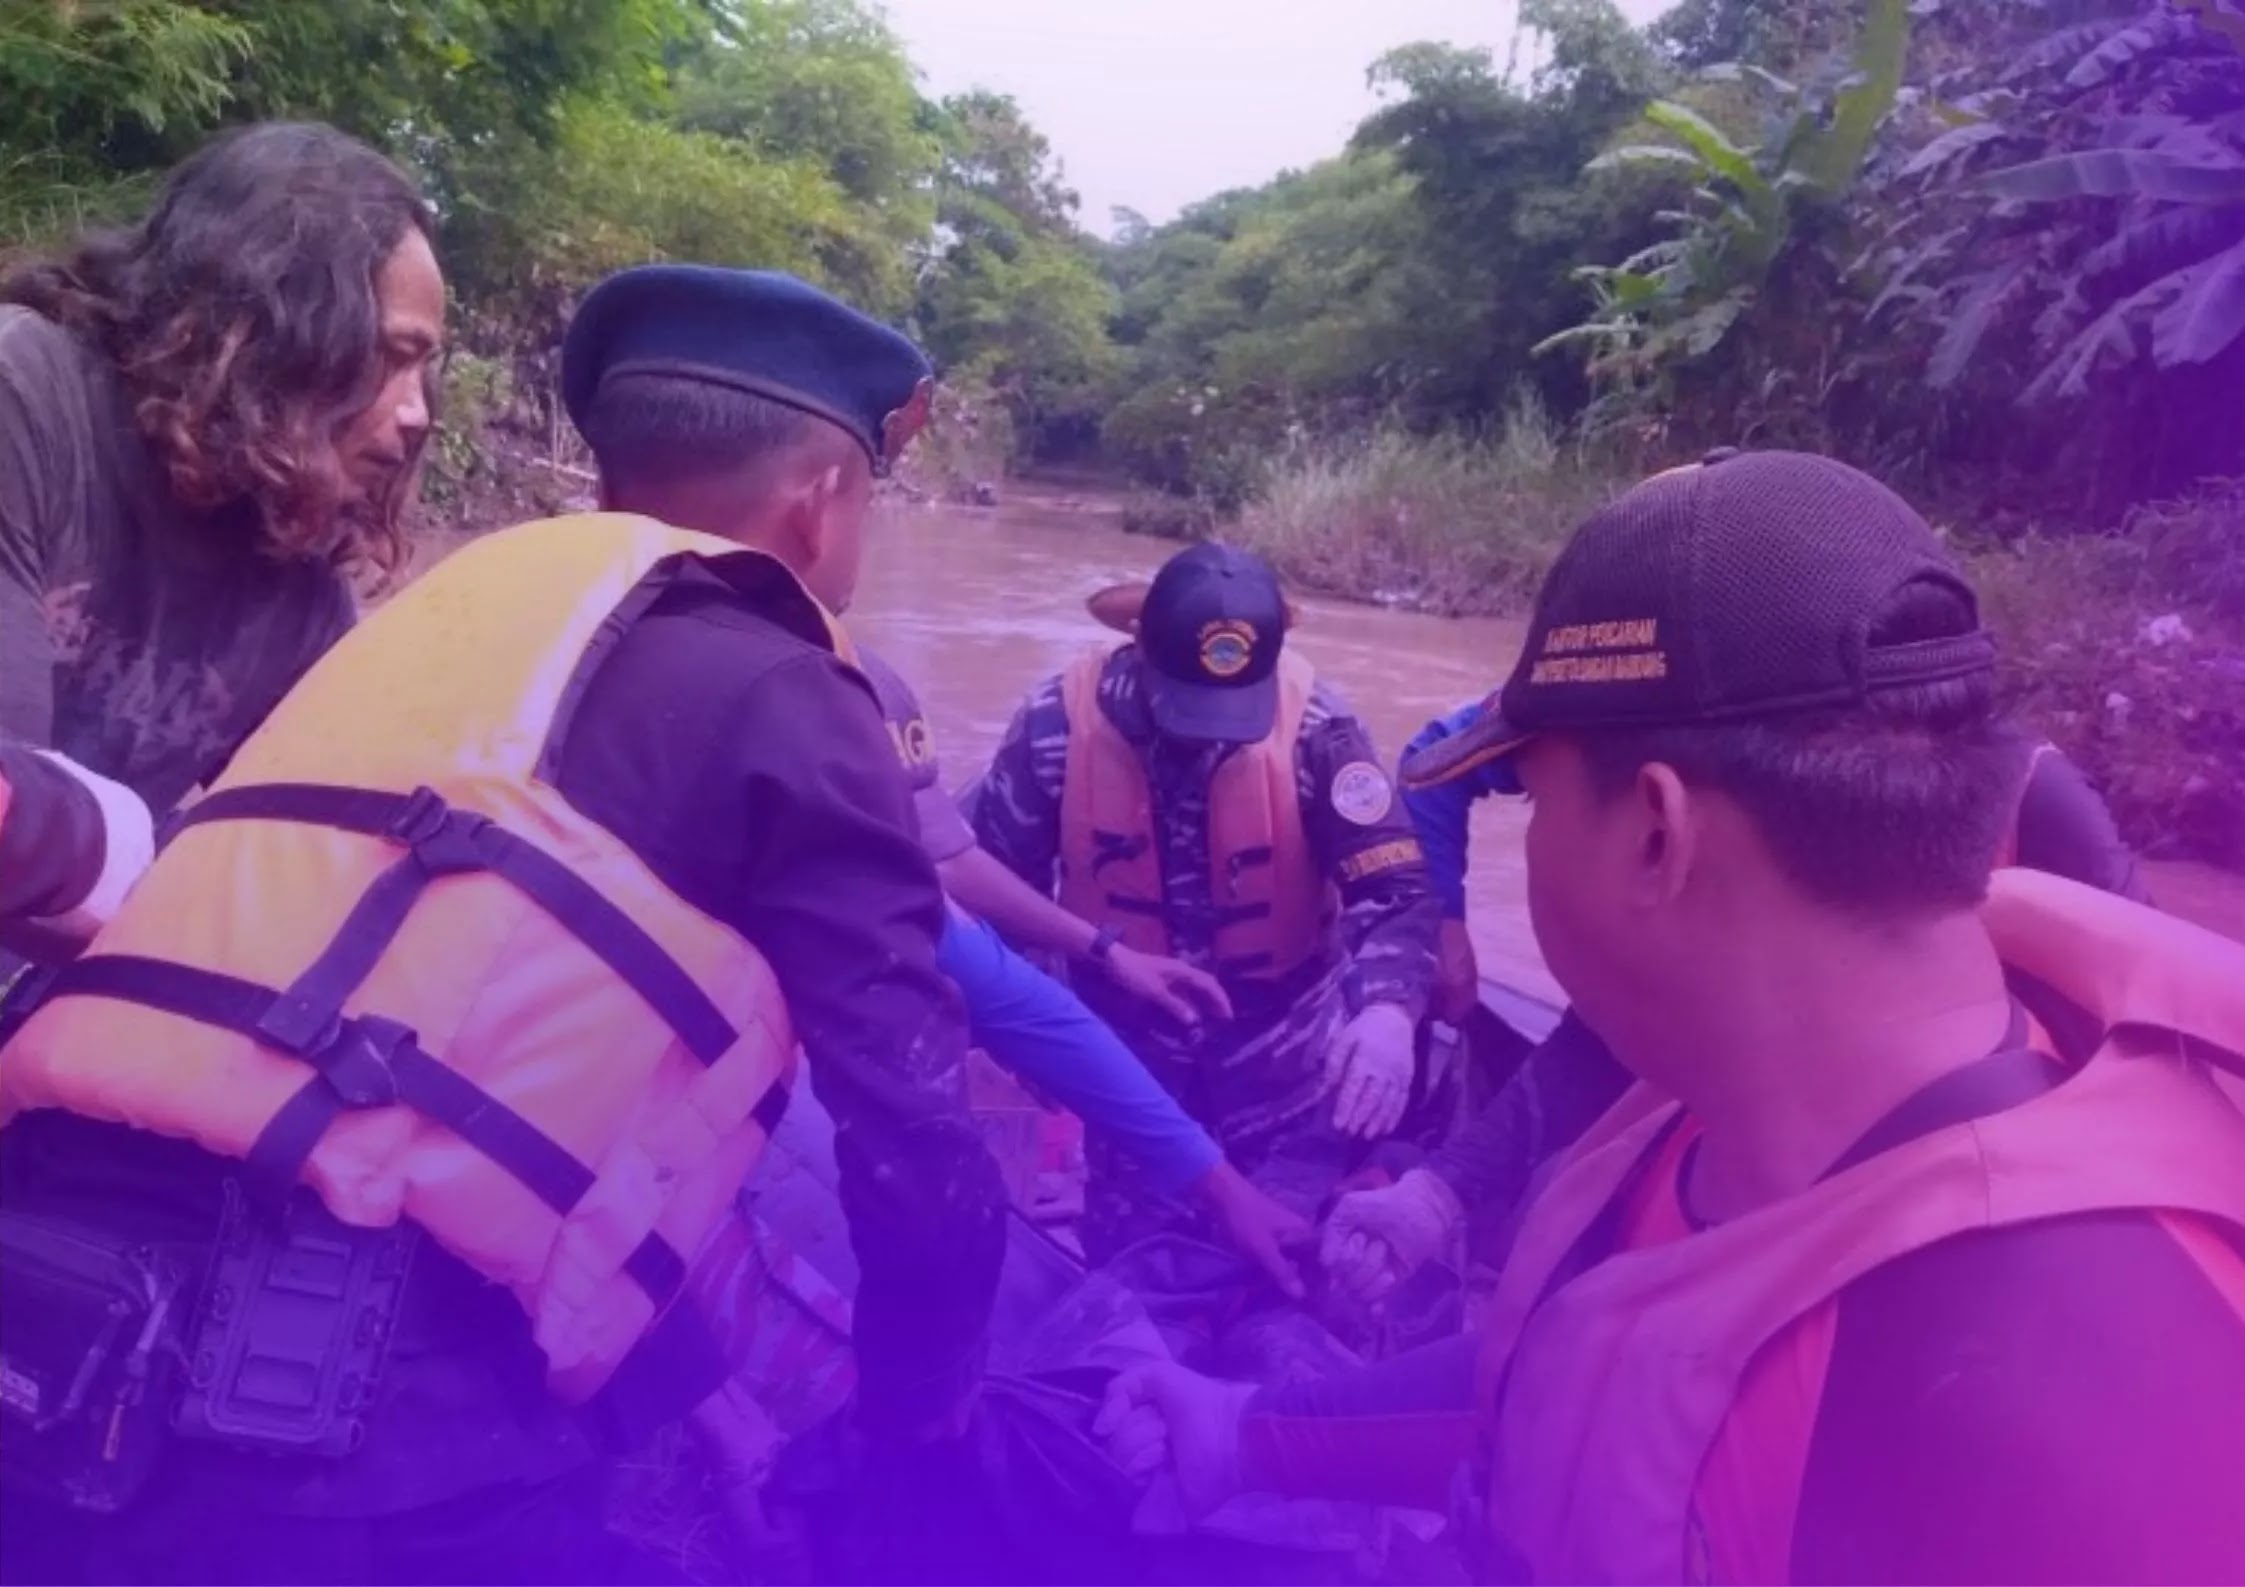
point(1375, 1239)
point(1259, 1228)
point(1161, 1415)
point(1170, 985)
point(1372, 1059)
point(1457, 973)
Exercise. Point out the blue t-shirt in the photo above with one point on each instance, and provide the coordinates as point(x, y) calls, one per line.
point(1442, 813)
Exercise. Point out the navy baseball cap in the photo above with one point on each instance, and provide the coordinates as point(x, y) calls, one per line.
point(1746, 585)
point(1211, 629)
point(757, 331)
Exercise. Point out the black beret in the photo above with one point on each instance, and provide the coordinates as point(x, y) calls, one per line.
point(757, 331)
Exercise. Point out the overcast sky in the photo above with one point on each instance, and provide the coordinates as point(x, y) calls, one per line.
point(1155, 103)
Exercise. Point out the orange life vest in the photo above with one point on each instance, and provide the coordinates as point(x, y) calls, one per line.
point(1274, 908)
point(1607, 1389)
point(384, 955)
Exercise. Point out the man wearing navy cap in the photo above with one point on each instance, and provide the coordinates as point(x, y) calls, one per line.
point(1038, 1028)
point(1200, 793)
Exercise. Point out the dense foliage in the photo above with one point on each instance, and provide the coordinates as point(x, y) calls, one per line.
point(1955, 238)
point(1408, 277)
point(562, 139)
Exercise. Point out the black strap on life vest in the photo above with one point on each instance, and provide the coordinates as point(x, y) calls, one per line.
point(447, 842)
point(367, 1061)
point(2009, 1078)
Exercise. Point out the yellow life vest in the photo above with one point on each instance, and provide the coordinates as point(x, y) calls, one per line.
point(1607, 1385)
point(1274, 909)
point(385, 956)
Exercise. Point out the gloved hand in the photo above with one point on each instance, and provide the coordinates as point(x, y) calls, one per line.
point(1372, 1059)
point(1375, 1239)
point(1457, 973)
point(1162, 1415)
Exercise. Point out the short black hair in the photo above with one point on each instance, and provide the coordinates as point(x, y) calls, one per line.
point(1893, 807)
point(650, 430)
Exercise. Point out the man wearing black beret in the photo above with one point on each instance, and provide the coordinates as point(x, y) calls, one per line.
point(753, 770)
point(538, 878)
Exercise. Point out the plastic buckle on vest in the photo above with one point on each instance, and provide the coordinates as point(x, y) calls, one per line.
point(443, 840)
point(423, 817)
point(299, 1028)
point(352, 1055)
point(357, 1064)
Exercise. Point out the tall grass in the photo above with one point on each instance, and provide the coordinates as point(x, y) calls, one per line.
point(2127, 650)
point(1448, 523)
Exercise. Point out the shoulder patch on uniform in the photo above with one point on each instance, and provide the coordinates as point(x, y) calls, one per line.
point(1361, 793)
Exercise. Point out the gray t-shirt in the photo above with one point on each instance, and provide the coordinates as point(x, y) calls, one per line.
point(140, 638)
point(943, 830)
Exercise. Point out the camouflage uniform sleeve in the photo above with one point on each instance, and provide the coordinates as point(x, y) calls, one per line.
point(1363, 839)
point(1014, 806)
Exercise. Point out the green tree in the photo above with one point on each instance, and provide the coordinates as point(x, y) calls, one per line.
point(1498, 167)
point(1678, 300)
point(1014, 296)
point(824, 80)
point(998, 170)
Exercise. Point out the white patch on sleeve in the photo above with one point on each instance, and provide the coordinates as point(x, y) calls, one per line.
point(1361, 793)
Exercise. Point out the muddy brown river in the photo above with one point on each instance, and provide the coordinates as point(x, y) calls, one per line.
point(976, 606)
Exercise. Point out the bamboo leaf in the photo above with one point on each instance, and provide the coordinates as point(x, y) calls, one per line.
point(1976, 314)
point(2207, 316)
point(2111, 335)
point(1953, 145)
point(2171, 237)
point(2067, 44)
point(1596, 331)
point(2125, 48)
point(1645, 154)
point(1726, 158)
point(1747, 71)
point(2119, 173)
point(1835, 154)
point(1905, 274)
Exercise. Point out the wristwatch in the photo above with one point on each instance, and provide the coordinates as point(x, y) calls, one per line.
point(1102, 947)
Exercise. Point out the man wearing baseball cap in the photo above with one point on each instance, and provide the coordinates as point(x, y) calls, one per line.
point(1862, 1281)
point(1376, 1238)
point(1198, 793)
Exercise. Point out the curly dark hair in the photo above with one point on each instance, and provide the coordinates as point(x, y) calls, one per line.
point(242, 317)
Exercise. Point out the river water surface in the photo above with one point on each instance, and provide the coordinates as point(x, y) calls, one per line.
point(978, 606)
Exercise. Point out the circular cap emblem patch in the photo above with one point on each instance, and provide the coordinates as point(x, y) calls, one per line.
point(1361, 792)
point(1226, 648)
